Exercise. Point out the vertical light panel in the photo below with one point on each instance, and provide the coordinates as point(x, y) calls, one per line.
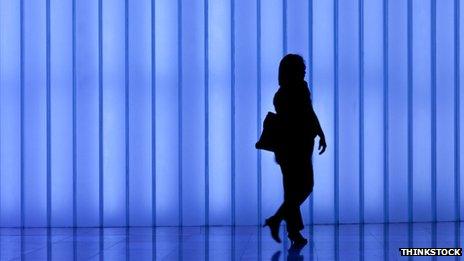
point(48, 116)
point(271, 54)
point(100, 116)
point(336, 116)
point(61, 106)
point(385, 60)
point(433, 109)
point(373, 111)
point(153, 110)
point(445, 111)
point(114, 150)
point(219, 115)
point(297, 29)
point(167, 96)
point(297, 42)
point(140, 187)
point(180, 113)
point(460, 20)
point(397, 112)
point(193, 113)
point(457, 123)
point(259, 164)
point(87, 116)
point(410, 127)
point(10, 172)
point(348, 99)
point(206, 100)
point(245, 79)
point(323, 92)
point(421, 110)
point(361, 179)
point(35, 122)
point(232, 113)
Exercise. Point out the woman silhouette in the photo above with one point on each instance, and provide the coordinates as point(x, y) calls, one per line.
point(299, 126)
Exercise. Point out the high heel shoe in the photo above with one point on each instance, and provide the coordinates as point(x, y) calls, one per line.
point(274, 227)
point(297, 240)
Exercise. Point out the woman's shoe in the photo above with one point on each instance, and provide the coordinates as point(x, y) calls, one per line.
point(298, 241)
point(274, 226)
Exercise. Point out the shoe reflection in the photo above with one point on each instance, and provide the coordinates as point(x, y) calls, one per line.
point(294, 254)
point(276, 256)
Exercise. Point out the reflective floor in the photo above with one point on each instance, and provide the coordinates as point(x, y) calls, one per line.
point(327, 242)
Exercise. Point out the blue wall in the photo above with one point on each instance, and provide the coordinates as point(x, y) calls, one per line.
point(146, 112)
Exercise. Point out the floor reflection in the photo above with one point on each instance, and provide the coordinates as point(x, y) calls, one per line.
point(327, 242)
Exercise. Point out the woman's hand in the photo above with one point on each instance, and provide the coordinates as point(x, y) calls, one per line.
point(322, 144)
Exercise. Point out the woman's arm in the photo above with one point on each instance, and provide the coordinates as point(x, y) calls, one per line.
point(319, 131)
point(322, 143)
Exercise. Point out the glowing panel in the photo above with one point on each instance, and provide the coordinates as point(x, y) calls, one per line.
point(140, 143)
point(193, 113)
point(245, 104)
point(397, 110)
point(10, 114)
point(34, 115)
point(167, 125)
point(421, 111)
point(323, 102)
point(114, 128)
point(348, 99)
point(61, 108)
point(87, 78)
point(445, 111)
point(460, 22)
point(373, 111)
point(220, 113)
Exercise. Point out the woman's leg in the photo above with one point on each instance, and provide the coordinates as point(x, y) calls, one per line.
point(289, 209)
point(298, 185)
point(281, 212)
point(297, 177)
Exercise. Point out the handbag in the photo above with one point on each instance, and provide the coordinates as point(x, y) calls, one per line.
point(271, 134)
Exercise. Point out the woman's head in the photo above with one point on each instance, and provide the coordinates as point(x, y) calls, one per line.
point(292, 69)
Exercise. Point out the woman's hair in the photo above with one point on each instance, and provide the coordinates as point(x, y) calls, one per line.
point(292, 69)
